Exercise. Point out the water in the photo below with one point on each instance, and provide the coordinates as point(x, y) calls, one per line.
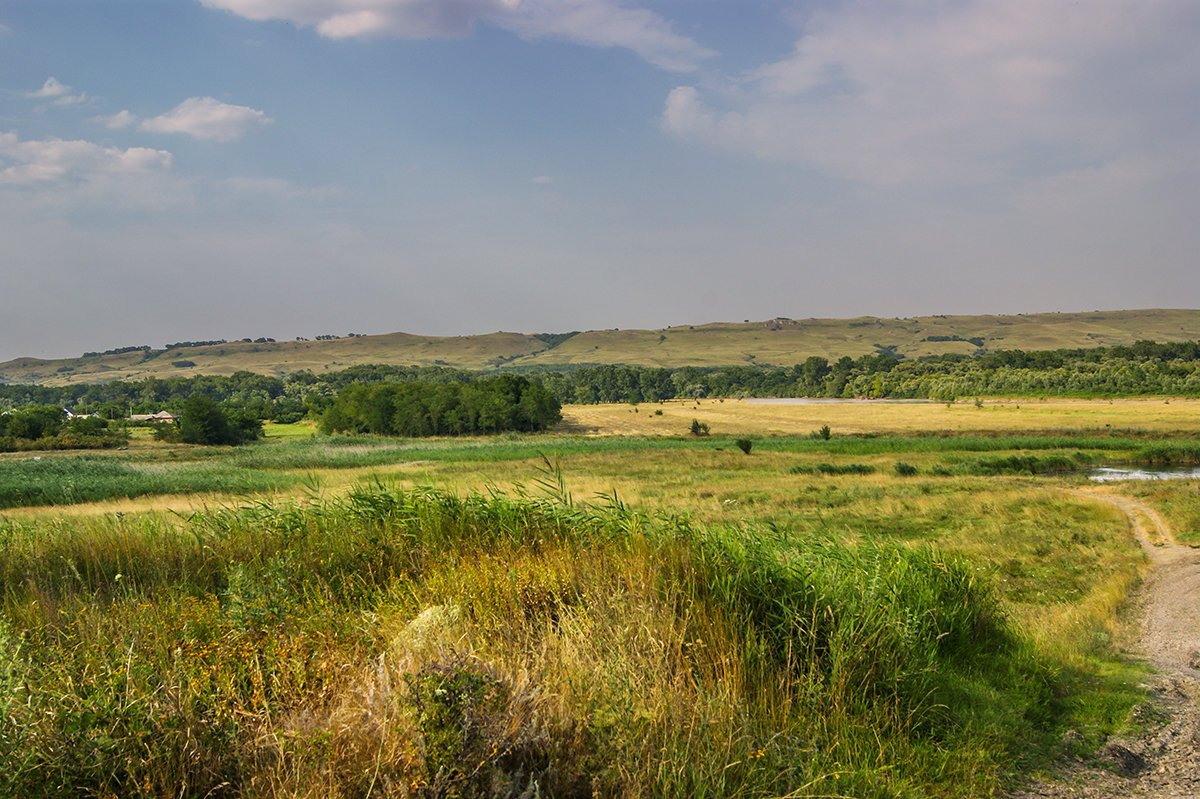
point(1107, 475)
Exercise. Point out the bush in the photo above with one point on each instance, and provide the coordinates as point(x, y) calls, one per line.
point(699, 428)
point(744, 444)
point(905, 469)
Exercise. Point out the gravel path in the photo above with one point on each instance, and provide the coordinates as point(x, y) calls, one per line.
point(1165, 761)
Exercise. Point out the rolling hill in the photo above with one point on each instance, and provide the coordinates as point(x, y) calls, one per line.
point(779, 341)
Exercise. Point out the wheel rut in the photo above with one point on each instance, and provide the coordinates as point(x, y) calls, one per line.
point(1165, 760)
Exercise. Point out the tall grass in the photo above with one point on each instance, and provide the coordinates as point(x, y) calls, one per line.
point(400, 643)
point(65, 481)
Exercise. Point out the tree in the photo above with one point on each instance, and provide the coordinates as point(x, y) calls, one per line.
point(38, 421)
point(204, 421)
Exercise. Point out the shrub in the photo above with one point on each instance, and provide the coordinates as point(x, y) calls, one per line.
point(699, 428)
point(744, 444)
point(834, 468)
point(905, 469)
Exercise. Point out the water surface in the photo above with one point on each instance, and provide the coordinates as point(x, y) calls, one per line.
point(1108, 475)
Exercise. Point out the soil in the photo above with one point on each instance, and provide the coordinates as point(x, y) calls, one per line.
point(1164, 760)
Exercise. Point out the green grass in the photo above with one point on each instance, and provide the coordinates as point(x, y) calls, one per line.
point(346, 452)
point(301, 649)
point(67, 481)
point(294, 430)
point(709, 624)
point(879, 445)
point(305, 452)
point(1177, 500)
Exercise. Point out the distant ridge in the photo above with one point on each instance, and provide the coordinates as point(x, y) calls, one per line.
point(773, 342)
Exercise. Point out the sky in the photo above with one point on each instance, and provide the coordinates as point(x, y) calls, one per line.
point(175, 170)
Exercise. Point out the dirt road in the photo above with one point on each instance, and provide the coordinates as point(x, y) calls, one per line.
point(1165, 761)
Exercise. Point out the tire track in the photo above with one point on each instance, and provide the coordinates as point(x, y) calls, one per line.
point(1164, 761)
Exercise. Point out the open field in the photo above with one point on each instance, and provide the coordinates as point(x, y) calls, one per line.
point(739, 417)
point(616, 607)
point(780, 342)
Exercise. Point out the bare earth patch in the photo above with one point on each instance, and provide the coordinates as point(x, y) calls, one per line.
point(1165, 760)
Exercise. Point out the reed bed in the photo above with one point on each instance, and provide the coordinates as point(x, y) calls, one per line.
point(418, 642)
point(67, 481)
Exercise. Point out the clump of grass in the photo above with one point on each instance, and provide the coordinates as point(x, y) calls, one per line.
point(1175, 453)
point(1024, 464)
point(833, 468)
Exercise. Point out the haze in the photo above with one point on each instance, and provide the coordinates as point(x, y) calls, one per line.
point(192, 170)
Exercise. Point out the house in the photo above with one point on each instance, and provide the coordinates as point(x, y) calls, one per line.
point(161, 416)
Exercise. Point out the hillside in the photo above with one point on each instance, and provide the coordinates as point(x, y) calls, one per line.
point(773, 342)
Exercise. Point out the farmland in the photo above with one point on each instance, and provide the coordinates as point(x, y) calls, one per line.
point(876, 599)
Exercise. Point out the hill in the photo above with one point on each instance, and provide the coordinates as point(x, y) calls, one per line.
point(780, 342)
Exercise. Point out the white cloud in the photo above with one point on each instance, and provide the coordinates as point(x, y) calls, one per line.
point(604, 24)
point(279, 189)
point(207, 118)
point(117, 121)
point(51, 88)
point(595, 23)
point(59, 162)
point(58, 92)
point(960, 92)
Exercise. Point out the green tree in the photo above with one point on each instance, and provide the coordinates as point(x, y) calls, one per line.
point(204, 421)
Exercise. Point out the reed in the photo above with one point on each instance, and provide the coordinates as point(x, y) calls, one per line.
point(418, 642)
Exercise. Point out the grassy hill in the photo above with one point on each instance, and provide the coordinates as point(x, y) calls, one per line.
point(773, 342)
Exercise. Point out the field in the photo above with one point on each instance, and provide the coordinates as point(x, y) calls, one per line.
point(780, 342)
point(874, 600)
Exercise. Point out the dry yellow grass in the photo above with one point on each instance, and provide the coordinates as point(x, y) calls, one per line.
point(781, 342)
point(740, 417)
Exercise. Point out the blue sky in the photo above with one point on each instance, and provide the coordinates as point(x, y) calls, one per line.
point(195, 169)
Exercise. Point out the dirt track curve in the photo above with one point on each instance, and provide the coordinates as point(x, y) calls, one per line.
point(1165, 761)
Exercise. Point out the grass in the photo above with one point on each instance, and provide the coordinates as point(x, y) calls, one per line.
point(1177, 500)
point(637, 615)
point(997, 417)
point(778, 342)
point(67, 481)
point(419, 641)
point(273, 430)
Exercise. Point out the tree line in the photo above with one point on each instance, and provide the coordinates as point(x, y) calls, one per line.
point(42, 427)
point(1144, 368)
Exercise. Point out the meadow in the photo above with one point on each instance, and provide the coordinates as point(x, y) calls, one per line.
point(916, 602)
